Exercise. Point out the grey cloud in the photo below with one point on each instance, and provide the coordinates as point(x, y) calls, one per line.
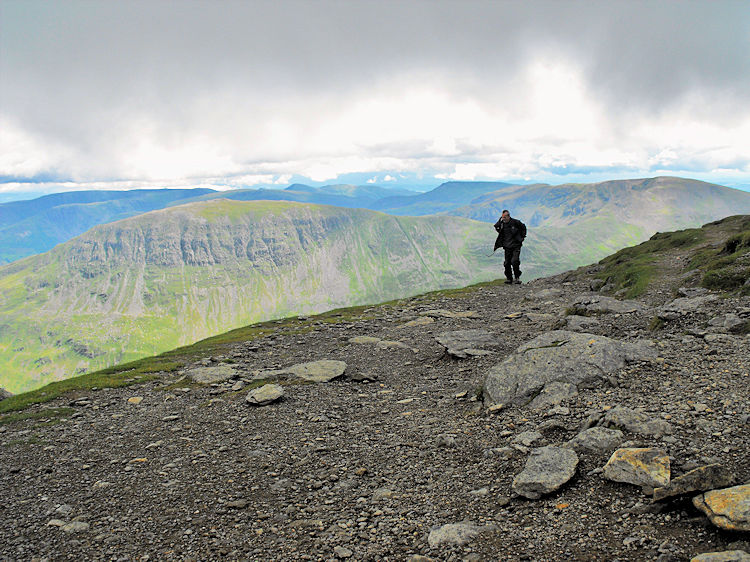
point(86, 72)
point(146, 52)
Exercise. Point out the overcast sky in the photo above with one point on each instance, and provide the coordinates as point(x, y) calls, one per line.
point(231, 94)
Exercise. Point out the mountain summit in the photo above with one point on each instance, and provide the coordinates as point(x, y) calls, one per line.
point(375, 433)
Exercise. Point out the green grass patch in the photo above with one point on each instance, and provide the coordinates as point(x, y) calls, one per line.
point(726, 268)
point(33, 440)
point(725, 279)
point(112, 377)
point(630, 273)
point(578, 311)
point(634, 268)
point(656, 324)
point(50, 414)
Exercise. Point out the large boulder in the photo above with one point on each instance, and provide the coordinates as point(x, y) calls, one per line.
point(581, 359)
point(5, 394)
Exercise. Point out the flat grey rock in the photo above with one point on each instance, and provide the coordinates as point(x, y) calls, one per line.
point(546, 470)
point(466, 343)
point(635, 421)
point(559, 356)
point(75, 527)
point(456, 534)
point(597, 440)
point(597, 304)
point(701, 479)
point(580, 323)
point(554, 394)
point(209, 375)
point(543, 295)
point(685, 305)
point(528, 438)
point(729, 322)
point(264, 395)
point(692, 291)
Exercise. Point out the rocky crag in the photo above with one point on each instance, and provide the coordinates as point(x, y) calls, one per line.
point(414, 430)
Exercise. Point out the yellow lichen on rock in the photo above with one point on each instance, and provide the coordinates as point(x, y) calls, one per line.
point(728, 508)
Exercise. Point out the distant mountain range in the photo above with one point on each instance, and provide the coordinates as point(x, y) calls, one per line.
point(34, 226)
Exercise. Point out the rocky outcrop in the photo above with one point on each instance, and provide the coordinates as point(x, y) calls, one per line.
point(683, 306)
point(560, 356)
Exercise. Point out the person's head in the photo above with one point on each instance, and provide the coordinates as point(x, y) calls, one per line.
point(505, 217)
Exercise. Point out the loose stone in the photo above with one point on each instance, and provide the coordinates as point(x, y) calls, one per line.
point(642, 467)
point(546, 470)
point(453, 534)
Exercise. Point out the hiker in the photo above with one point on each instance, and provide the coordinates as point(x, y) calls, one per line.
point(510, 235)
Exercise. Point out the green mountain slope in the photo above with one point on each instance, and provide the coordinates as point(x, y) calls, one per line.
point(170, 277)
point(34, 226)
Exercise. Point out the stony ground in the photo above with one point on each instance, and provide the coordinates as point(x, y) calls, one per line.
point(365, 466)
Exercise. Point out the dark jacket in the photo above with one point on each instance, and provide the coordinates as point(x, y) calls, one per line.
point(517, 229)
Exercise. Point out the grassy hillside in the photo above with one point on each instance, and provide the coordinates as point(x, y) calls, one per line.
point(168, 278)
point(715, 256)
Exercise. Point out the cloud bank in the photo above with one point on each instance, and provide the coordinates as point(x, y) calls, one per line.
point(234, 94)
